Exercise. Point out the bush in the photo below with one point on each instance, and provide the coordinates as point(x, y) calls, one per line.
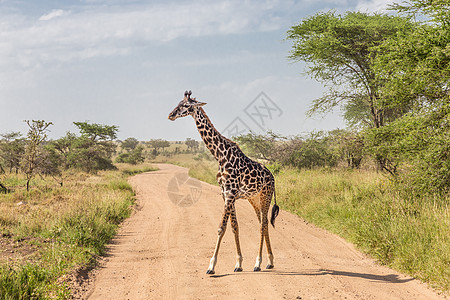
point(417, 150)
point(314, 151)
point(133, 156)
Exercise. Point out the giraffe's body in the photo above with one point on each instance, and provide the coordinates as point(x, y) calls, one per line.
point(239, 178)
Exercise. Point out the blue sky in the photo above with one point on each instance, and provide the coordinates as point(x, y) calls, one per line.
point(128, 63)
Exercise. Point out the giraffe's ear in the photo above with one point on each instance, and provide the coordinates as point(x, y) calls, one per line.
point(198, 104)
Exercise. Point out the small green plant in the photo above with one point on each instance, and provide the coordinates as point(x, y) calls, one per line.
point(23, 282)
point(120, 185)
point(275, 168)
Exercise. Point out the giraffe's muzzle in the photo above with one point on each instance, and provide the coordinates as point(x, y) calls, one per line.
point(172, 115)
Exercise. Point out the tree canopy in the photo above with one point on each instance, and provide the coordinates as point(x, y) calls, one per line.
point(96, 131)
point(338, 50)
point(129, 143)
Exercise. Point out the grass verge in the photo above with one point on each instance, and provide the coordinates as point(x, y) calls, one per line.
point(50, 231)
point(407, 234)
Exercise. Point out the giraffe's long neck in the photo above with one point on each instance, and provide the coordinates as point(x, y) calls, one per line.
point(214, 141)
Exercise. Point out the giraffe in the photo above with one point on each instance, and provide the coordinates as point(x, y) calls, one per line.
point(239, 177)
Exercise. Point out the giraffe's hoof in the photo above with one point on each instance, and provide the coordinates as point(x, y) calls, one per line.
point(269, 266)
point(238, 269)
point(256, 269)
point(210, 272)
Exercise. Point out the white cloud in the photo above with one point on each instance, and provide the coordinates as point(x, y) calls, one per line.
point(92, 31)
point(53, 14)
point(374, 5)
point(236, 58)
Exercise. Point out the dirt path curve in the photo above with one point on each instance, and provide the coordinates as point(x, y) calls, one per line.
point(163, 251)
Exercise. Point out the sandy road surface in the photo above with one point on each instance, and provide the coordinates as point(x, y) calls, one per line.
point(163, 252)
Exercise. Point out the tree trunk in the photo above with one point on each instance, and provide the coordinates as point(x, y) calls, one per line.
point(3, 188)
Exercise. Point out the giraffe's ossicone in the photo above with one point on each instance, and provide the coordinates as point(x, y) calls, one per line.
point(239, 178)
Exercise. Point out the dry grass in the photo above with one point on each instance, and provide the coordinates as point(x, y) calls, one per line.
point(51, 230)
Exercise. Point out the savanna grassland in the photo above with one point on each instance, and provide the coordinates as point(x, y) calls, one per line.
point(51, 231)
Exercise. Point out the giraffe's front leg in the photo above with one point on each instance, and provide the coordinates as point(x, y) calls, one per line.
point(235, 227)
point(221, 232)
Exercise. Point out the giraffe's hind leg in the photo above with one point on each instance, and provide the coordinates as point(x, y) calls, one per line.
point(269, 249)
point(264, 223)
point(265, 199)
point(258, 212)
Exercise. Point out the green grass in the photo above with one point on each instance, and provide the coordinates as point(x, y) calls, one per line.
point(138, 170)
point(25, 282)
point(406, 233)
point(59, 229)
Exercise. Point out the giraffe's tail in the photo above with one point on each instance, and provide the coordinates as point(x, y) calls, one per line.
point(275, 210)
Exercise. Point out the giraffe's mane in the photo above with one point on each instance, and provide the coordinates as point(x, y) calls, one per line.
point(212, 125)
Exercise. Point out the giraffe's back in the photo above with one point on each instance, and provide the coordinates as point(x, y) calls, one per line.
point(244, 176)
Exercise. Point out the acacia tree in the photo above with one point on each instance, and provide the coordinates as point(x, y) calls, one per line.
point(134, 156)
point(156, 144)
point(348, 145)
point(192, 144)
point(339, 50)
point(51, 163)
point(57, 156)
point(92, 151)
point(35, 137)
point(129, 144)
point(97, 132)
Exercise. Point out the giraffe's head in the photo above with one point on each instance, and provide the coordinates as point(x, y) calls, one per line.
point(186, 107)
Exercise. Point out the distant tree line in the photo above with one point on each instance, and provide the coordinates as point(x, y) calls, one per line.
point(317, 149)
point(90, 151)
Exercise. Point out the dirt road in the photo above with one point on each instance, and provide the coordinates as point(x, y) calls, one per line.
point(163, 252)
